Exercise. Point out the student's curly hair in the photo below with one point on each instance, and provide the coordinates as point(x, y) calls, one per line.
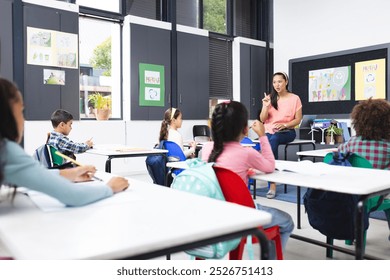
point(371, 119)
point(169, 115)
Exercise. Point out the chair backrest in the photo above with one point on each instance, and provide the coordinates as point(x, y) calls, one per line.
point(247, 140)
point(354, 159)
point(201, 132)
point(233, 187)
point(56, 159)
point(175, 153)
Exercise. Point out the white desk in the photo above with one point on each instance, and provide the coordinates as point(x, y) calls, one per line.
point(178, 164)
point(120, 151)
point(145, 221)
point(351, 180)
point(321, 153)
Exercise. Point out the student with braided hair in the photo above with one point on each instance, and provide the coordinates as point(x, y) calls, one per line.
point(229, 125)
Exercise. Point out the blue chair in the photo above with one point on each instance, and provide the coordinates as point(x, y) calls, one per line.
point(175, 153)
point(247, 140)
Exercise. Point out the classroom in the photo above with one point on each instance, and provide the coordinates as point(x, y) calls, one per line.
point(177, 54)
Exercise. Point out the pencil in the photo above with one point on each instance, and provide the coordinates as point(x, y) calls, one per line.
point(75, 162)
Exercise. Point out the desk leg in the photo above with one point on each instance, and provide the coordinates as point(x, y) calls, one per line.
point(108, 165)
point(298, 207)
point(359, 230)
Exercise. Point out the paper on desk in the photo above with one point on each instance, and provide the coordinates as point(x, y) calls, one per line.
point(49, 204)
point(303, 167)
point(119, 148)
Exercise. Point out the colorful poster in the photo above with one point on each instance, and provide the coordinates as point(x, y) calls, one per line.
point(53, 77)
point(331, 84)
point(152, 85)
point(370, 79)
point(52, 48)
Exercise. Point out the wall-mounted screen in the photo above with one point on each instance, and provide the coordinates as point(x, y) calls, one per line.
point(330, 84)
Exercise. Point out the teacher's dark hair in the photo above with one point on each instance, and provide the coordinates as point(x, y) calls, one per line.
point(229, 119)
point(274, 94)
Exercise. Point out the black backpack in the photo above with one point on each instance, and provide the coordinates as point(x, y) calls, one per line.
point(157, 166)
point(331, 213)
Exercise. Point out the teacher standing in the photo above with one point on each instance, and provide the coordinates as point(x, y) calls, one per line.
point(281, 113)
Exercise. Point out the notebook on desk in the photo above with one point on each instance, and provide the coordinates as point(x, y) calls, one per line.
point(307, 121)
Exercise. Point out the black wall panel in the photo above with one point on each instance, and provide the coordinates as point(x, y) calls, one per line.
point(6, 48)
point(153, 46)
point(41, 99)
point(245, 75)
point(253, 77)
point(258, 79)
point(193, 75)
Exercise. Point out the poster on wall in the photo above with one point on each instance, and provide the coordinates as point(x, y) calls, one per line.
point(330, 84)
point(370, 79)
point(151, 85)
point(53, 77)
point(52, 48)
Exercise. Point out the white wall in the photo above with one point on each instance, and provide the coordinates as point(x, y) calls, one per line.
point(311, 27)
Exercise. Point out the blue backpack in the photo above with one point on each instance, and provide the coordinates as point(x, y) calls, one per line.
point(200, 179)
point(157, 166)
point(332, 213)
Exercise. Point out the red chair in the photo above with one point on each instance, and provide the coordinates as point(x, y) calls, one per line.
point(235, 190)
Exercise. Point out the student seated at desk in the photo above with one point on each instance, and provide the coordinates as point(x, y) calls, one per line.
point(229, 126)
point(172, 121)
point(19, 169)
point(62, 121)
point(371, 121)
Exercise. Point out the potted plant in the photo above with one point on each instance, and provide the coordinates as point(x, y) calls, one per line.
point(102, 105)
point(334, 134)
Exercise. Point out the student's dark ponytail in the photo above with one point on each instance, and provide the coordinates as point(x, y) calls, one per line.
point(217, 127)
point(1, 160)
point(228, 121)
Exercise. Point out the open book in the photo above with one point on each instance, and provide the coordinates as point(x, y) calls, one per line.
point(302, 167)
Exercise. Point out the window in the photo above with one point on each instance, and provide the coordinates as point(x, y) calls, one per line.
point(144, 8)
point(214, 15)
point(110, 6)
point(187, 13)
point(100, 70)
point(220, 51)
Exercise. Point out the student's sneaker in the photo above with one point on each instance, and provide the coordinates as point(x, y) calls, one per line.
point(271, 194)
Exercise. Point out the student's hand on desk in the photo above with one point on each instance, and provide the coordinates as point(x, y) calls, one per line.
point(192, 144)
point(89, 143)
point(118, 184)
point(79, 173)
point(258, 127)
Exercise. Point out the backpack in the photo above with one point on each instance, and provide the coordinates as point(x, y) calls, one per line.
point(200, 179)
point(331, 213)
point(157, 166)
